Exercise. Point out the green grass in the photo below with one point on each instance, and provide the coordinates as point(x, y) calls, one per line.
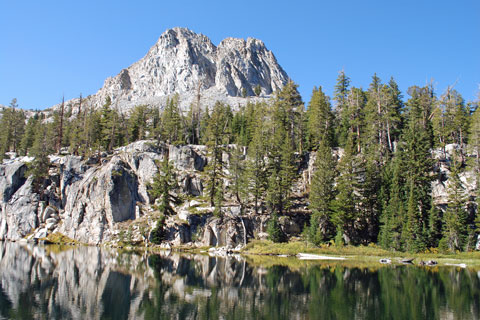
point(295, 247)
point(58, 238)
point(357, 253)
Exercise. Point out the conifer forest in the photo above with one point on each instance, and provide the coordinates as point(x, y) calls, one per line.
point(376, 151)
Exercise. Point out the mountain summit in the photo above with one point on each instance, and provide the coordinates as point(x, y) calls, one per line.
point(188, 63)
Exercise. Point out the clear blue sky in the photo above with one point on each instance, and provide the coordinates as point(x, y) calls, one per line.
point(52, 48)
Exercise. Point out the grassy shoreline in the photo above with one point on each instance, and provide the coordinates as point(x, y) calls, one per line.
point(371, 253)
point(360, 253)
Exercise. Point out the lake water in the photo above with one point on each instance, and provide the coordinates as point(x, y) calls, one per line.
point(50, 282)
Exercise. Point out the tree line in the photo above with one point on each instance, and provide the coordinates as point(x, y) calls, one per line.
point(373, 169)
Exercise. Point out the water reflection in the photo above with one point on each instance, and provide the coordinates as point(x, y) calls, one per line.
point(93, 283)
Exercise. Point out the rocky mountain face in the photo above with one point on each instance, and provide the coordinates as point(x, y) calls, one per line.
point(91, 200)
point(105, 199)
point(185, 63)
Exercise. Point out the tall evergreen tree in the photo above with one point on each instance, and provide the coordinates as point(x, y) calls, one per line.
point(419, 164)
point(355, 113)
point(237, 175)
point(138, 123)
point(172, 122)
point(341, 108)
point(456, 228)
point(163, 188)
point(29, 136)
point(382, 118)
point(450, 120)
point(40, 150)
point(218, 134)
point(345, 204)
point(435, 225)
point(319, 120)
point(281, 170)
point(394, 213)
point(256, 173)
point(289, 112)
point(394, 113)
point(413, 232)
point(12, 124)
point(322, 195)
point(107, 124)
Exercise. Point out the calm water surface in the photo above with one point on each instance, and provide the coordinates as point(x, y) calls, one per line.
point(50, 282)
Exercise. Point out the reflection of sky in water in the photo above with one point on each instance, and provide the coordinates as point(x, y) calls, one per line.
point(94, 283)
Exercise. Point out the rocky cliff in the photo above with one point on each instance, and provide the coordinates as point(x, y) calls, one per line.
point(104, 199)
point(99, 199)
point(186, 63)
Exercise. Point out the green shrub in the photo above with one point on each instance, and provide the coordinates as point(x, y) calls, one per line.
point(274, 231)
point(158, 233)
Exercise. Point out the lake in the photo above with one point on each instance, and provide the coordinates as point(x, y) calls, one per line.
point(52, 282)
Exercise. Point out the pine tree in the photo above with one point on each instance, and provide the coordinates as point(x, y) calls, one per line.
point(382, 118)
point(356, 101)
point(237, 175)
point(319, 120)
point(256, 173)
point(218, 134)
point(138, 123)
point(419, 164)
point(394, 110)
point(281, 171)
point(322, 195)
point(345, 204)
point(60, 128)
point(413, 235)
point(375, 133)
point(369, 168)
point(474, 138)
point(40, 150)
point(158, 233)
point(274, 230)
point(288, 111)
point(163, 187)
point(29, 136)
point(172, 122)
point(394, 213)
point(434, 226)
point(341, 108)
point(474, 164)
point(12, 126)
point(456, 228)
point(450, 120)
point(107, 125)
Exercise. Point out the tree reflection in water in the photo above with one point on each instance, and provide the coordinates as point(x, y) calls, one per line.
point(94, 283)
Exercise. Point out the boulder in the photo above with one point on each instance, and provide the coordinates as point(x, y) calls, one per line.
point(47, 214)
point(51, 225)
point(183, 215)
point(41, 233)
point(51, 220)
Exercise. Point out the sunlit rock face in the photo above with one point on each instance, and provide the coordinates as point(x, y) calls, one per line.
point(186, 63)
point(89, 199)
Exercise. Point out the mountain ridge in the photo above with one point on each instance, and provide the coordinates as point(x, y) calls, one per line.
point(189, 64)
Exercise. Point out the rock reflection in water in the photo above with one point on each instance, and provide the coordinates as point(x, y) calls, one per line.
point(94, 283)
